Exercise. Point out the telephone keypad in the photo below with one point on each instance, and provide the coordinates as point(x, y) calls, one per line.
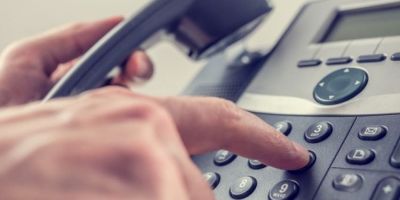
point(375, 160)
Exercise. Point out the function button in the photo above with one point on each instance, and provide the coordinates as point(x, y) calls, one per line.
point(212, 178)
point(310, 163)
point(395, 157)
point(360, 156)
point(396, 57)
point(309, 63)
point(243, 187)
point(318, 132)
point(371, 58)
point(223, 157)
point(283, 127)
point(347, 182)
point(339, 61)
point(256, 164)
point(284, 190)
point(372, 133)
point(340, 86)
point(387, 189)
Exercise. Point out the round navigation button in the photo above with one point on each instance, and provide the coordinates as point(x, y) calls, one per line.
point(347, 182)
point(243, 187)
point(284, 190)
point(318, 132)
point(340, 86)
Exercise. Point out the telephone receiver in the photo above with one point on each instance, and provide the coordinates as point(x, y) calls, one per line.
point(200, 27)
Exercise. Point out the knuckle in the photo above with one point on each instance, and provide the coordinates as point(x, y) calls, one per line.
point(155, 114)
point(111, 91)
point(228, 111)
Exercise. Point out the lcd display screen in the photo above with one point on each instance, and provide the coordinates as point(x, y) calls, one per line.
point(364, 24)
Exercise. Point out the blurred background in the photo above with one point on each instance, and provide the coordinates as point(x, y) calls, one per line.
point(22, 18)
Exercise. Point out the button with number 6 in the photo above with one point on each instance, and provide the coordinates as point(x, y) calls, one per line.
point(318, 132)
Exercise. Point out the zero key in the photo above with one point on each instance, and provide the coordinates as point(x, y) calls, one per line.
point(387, 189)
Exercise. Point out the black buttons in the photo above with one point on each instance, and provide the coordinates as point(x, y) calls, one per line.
point(372, 133)
point(347, 182)
point(318, 132)
point(212, 179)
point(396, 57)
point(339, 61)
point(395, 157)
point(387, 189)
point(310, 163)
point(309, 63)
point(360, 156)
point(371, 58)
point(340, 86)
point(284, 190)
point(256, 164)
point(223, 157)
point(243, 187)
point(283, 127)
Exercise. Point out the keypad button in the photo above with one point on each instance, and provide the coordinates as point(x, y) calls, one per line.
point(212, 178)
point(223, 157)
point(360, 156)
point(309, 63)
point(348, 182)
point(256, 164)
point(283, 127)
point(387, 189)
point(372, 133)
point(340, 86)
point(318, 132)
point(396, 57)
point(243, 187)
point(395, 157)
point(310, 163)
point(284, 190)
point(339, 61)
point(371, 58)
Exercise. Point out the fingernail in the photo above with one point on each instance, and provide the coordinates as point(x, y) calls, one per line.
point(144, 68)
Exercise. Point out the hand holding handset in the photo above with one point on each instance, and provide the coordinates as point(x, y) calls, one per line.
point(201, 27)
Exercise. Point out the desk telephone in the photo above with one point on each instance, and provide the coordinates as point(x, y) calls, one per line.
point(331, 84)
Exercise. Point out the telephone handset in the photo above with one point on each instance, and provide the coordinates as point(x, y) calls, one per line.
point(201, 27)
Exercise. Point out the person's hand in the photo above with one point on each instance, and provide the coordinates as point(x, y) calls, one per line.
point(29, 68)
point(113, 144)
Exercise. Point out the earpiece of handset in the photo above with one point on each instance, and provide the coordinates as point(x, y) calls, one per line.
point(201, 27)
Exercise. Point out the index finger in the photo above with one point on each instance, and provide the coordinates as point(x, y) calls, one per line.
point(209, 124)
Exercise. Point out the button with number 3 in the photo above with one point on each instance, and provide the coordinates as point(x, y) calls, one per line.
point(318, 132)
